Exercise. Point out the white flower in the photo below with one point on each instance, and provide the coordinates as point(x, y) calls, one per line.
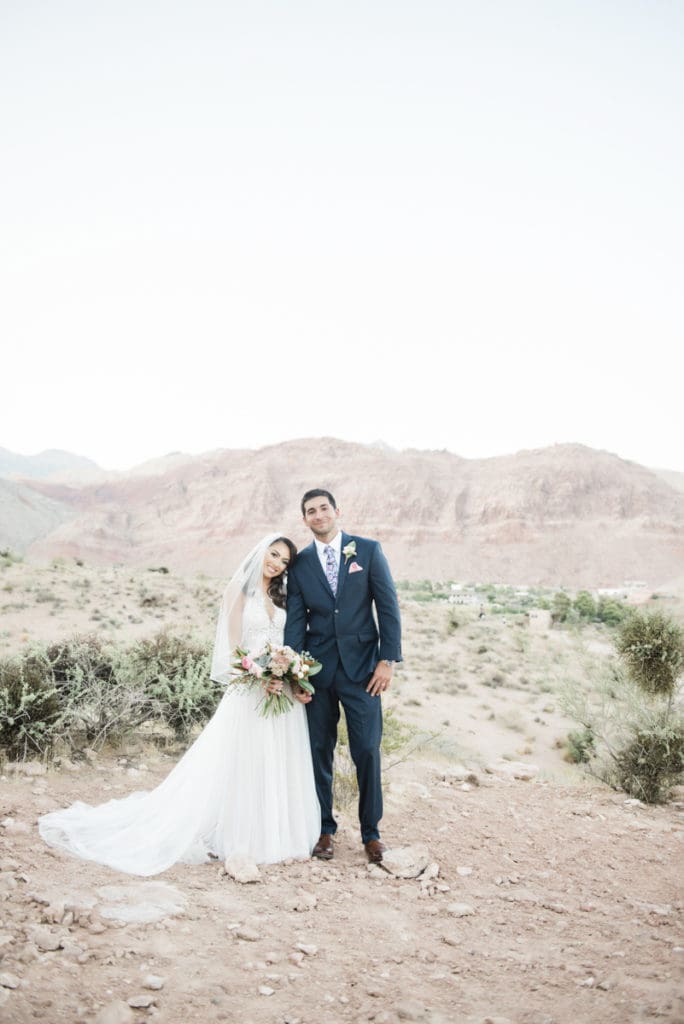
point(349, 551)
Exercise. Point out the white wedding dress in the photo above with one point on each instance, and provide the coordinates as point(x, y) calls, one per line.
point(245, 787)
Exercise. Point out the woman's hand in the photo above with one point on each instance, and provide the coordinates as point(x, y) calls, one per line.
point(301, 695)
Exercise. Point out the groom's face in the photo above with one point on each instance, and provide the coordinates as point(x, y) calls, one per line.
point(321, 518)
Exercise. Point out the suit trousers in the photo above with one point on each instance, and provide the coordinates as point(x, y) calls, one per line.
point(363, 714)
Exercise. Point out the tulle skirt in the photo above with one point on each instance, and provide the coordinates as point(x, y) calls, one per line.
point(245, 787)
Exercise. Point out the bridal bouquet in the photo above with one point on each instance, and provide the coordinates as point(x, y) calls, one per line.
point(270, 669)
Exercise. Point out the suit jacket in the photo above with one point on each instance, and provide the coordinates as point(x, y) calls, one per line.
point(343, 626)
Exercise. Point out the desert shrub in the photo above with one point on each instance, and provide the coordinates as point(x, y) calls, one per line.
point(585, 605)
point(611, 611)
point(30, 709)
point(101, 695)
point(8, 558)
point(78, 660)
point(453, 622)
point(560, 607)
point(652, 648)
point(652, 762)
point(580, 745)
point(174, 671)
point(633, 709)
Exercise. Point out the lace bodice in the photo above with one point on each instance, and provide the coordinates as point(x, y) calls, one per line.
point(258, 628)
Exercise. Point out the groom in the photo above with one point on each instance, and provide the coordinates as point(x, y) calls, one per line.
point(331, 590)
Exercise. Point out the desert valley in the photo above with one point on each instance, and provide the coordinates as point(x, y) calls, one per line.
point(523, 890)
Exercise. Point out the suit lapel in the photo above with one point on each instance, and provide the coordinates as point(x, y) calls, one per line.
point(344, 567)
point(317, 569)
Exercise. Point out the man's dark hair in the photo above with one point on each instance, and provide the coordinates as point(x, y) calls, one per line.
point(318, 493)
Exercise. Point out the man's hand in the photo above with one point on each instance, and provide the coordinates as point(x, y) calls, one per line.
point(380, 680)
point(301, 695)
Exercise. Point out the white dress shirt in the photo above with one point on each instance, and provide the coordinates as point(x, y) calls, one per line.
point(335, 544)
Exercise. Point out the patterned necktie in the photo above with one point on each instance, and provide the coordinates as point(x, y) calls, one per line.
point(331, 567)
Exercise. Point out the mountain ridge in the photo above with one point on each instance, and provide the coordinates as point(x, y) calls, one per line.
point(567, 514)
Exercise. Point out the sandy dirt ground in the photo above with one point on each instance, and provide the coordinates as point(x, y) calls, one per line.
point(552, 904)
point(542, 899)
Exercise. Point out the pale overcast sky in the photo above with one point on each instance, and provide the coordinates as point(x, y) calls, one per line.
point(444, 224)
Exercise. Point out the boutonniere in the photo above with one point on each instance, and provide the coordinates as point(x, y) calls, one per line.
point(349, 551)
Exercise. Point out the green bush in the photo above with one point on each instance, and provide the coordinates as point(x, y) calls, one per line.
point(174, 672)
point(30, 709)
point(652, 649)
point(79, 661)
point(581, 746)
point(632, 709)
point(651, 763)
point(585, 605)
point(8, 558)
point(560, 607)
point(611, 611)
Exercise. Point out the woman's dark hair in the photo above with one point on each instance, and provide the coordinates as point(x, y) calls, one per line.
point(317, 493)
point(276, 588)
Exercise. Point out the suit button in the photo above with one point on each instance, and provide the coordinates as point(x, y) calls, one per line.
point(337, 611)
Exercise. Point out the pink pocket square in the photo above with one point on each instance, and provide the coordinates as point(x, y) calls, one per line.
point(355, 567)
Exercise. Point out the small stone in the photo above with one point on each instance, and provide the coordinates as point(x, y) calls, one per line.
point(464, 871)
point(307, 948)
point(247, 934)
point(141, 1002)
point(461, 909)
point(8, 980)
point(407, 861)
point(15, 827)
point(296, 958)
point(266, 990)
point(153, 981)
point(557, 908)
point(45, 939)
point(410, 1009)
point(242, 870)
point(303, 901)
point(115, 1013)
point(588, 982)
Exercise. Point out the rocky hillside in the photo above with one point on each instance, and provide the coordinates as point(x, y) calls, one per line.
point(561, 515)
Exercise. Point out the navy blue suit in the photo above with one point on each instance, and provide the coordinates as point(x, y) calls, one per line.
point(341, 632)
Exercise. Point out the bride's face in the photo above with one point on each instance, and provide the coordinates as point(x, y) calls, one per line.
point(276, 560)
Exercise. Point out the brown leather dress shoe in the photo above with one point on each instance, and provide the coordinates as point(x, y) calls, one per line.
point(323, 848)
point(374, 851)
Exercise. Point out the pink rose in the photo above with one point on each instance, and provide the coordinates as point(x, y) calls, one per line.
point(247, 663)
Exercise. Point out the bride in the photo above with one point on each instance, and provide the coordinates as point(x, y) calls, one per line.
point(245, 787)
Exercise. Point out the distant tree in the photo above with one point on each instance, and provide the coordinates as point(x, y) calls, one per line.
point(585, 605)
point(560, 606)
point(611, 611)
